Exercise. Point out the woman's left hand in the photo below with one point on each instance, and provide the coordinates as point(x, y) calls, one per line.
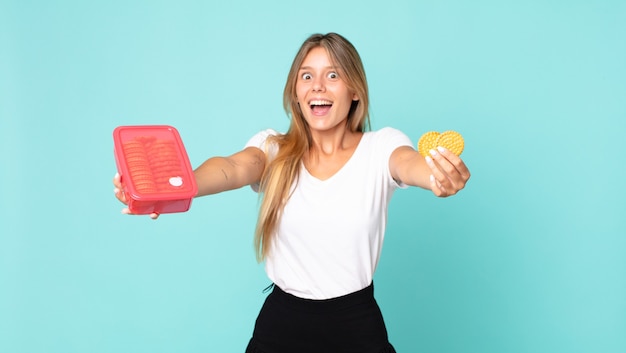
point(448, 172)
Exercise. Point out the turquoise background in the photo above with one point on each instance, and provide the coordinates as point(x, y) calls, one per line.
point(530, 257)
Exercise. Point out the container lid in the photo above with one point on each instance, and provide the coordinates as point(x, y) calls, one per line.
point(153, 163)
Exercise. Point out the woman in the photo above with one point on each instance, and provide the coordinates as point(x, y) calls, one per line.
point(325, 186)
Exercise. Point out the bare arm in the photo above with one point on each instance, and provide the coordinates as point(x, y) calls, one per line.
point(219, 174)
point(444, 173)
point(216, 174)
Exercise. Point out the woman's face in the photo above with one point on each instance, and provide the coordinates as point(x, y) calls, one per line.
point(323, 96)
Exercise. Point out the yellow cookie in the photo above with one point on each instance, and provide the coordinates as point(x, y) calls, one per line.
point(427, 142)
point(451, 140)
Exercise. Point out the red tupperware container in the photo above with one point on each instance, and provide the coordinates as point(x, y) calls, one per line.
point(156, 173)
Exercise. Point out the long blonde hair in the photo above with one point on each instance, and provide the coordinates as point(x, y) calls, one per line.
point(282, 171)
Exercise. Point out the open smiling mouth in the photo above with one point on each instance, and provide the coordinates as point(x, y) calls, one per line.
point(320, 107)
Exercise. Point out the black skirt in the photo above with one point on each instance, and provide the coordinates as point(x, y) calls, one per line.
point(349, 324)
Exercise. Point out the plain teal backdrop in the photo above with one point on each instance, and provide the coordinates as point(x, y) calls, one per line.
point(530, 257)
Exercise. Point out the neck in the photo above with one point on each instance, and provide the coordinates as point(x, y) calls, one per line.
point(331, 141)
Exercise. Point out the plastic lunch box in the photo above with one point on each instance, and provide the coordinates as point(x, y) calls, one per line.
point(156, 173)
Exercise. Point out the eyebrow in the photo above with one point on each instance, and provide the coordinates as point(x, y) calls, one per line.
point(309, 67)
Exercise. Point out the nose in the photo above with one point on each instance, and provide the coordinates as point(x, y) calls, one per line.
point(318, 84)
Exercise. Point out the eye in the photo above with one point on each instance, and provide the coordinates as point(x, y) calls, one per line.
point(306, 76)
point(333, 75)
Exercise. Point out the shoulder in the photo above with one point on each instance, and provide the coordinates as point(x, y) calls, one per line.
point(390, 136)
point(383, 142)
point(262, 141)
point(259, 139)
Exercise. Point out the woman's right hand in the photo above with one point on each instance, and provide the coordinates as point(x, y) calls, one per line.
point(121, 195)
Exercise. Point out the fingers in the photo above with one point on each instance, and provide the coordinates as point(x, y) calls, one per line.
point(438, 180)
point(121, 195)
point(117, 180)
point(449, 172)
point(456, 161)
point(436, 187)
point(119, 189)
point(127, 211)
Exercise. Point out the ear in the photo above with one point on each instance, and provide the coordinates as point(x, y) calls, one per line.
point(355, 97)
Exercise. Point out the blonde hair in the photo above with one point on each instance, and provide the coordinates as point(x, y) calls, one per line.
point(282, 171)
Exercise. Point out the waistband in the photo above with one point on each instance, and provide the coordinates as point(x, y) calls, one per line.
point(363, 296)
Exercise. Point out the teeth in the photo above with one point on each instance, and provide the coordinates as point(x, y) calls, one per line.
point(321, 102)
